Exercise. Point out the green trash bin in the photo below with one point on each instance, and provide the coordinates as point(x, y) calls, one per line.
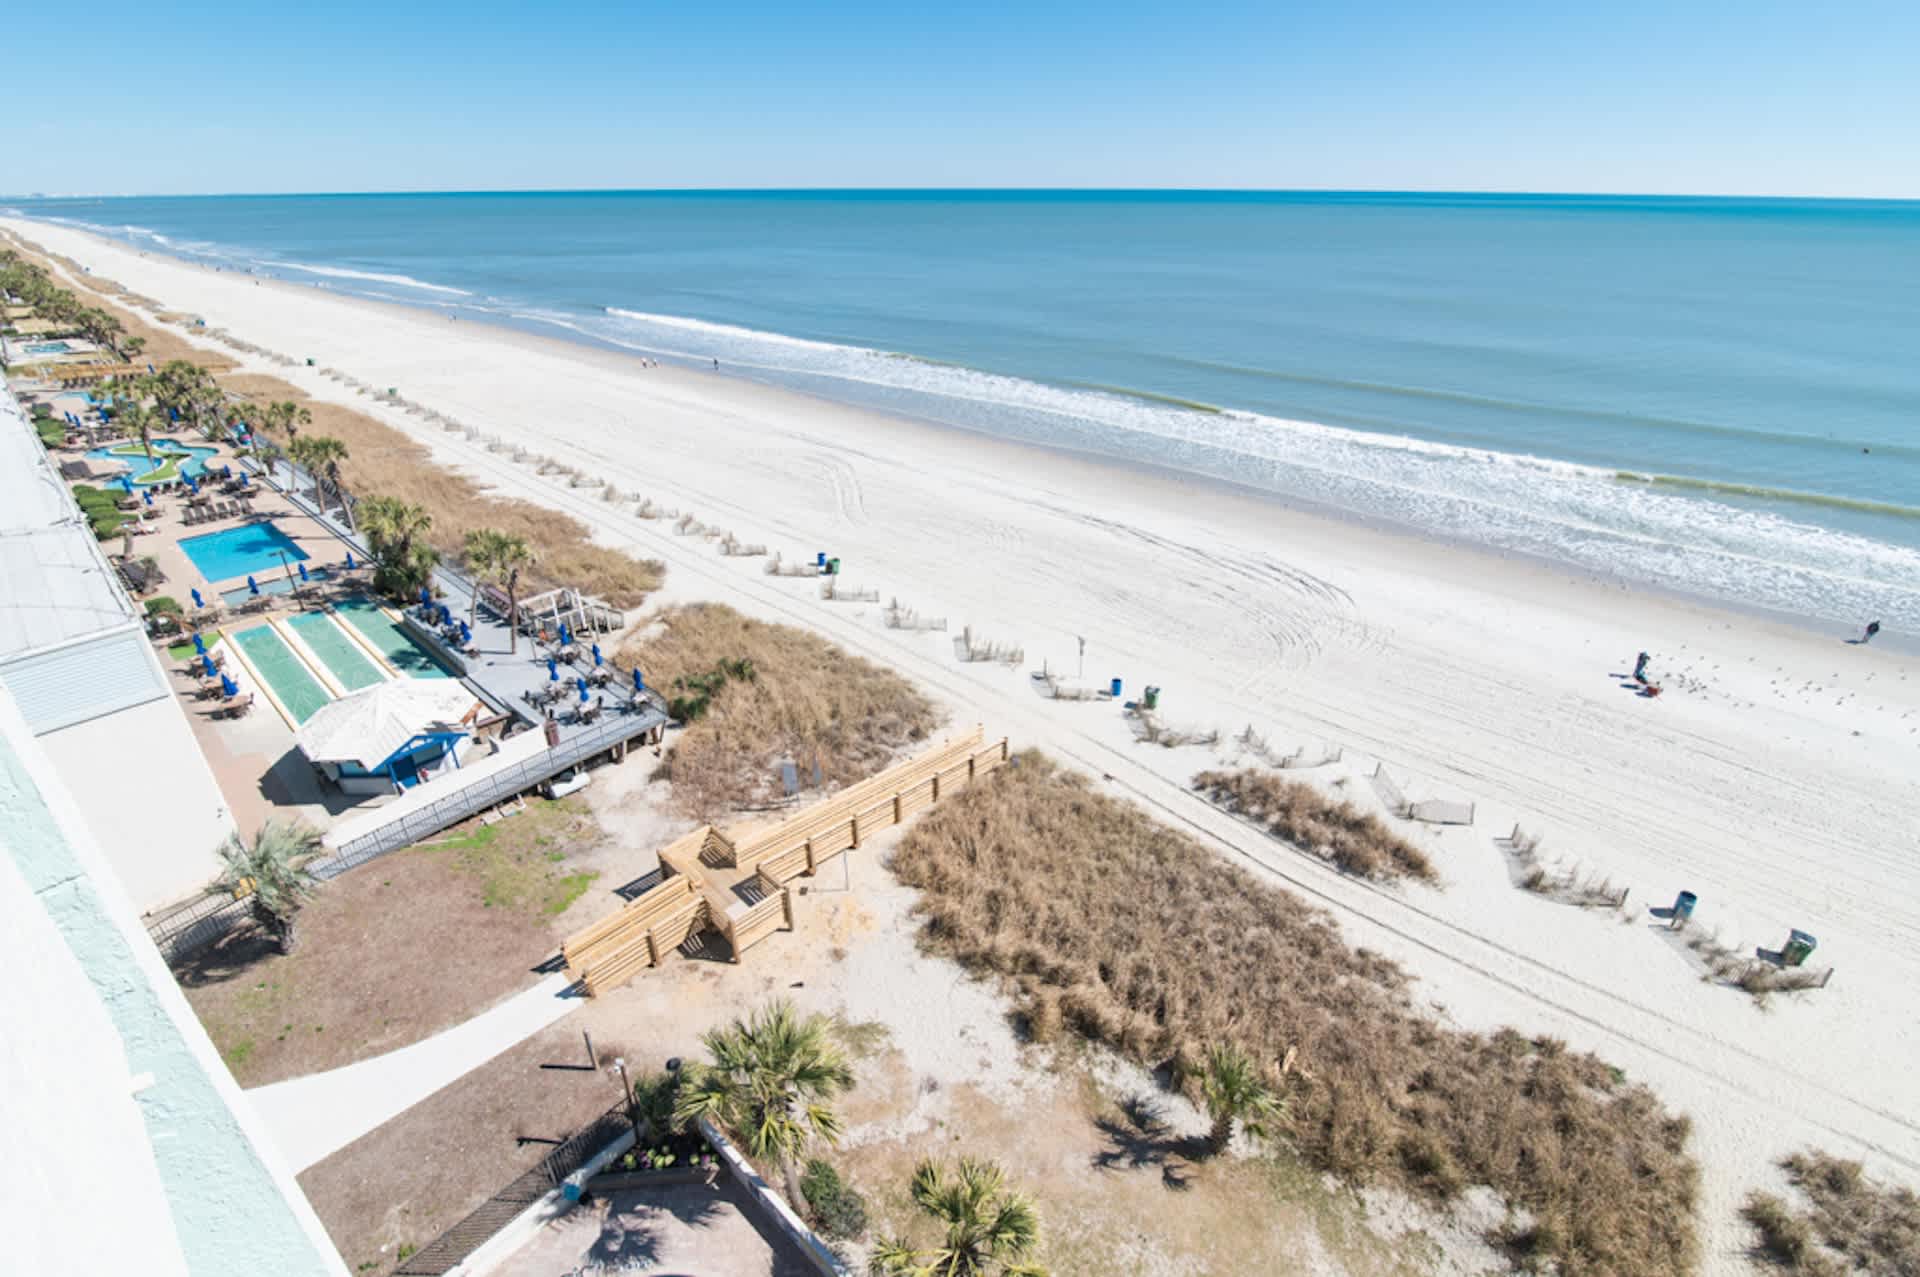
point(1150, 699)
point(1799, 945)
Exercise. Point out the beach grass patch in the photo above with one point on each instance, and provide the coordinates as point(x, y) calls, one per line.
point(1356, 841)
point(514, 860)
point(1844, 1222)
point(753, 694)
point(1136, 936)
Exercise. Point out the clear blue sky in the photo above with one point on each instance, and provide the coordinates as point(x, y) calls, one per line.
point(1709, 96)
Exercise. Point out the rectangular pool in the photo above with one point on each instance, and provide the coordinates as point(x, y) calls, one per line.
point(283, 671)
point(389, 639)
point(240, 551)
point(342, 656)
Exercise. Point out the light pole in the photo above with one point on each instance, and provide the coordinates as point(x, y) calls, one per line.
point(620, 1065)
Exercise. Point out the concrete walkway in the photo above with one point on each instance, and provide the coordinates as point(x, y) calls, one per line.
point(312, 1116)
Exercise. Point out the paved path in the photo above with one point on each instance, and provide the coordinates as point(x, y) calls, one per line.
point(315, 1115)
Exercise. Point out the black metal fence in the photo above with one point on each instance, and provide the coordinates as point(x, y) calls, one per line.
point(189, 927)
point(453, 1247)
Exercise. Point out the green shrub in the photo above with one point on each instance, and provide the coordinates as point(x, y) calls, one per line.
point(164, 603)
point(837, 1210)
point(51, 432)
point(106, 523)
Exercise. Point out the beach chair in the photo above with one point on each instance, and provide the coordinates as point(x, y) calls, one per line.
point(238, 707)
point(187, 514)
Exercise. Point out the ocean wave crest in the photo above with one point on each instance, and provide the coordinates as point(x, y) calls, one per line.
point(372, 276)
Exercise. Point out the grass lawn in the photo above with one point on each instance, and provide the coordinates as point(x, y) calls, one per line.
point(398, 949)
point(184, 651)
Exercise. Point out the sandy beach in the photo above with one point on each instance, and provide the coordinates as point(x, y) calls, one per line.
point(1777, 776)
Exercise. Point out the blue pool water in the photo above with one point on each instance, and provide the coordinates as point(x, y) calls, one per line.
point(250, 548)
point(132, 455)
point(48, 348)
point(1717, 395)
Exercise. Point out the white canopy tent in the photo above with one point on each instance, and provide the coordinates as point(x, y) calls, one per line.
point(363, 734)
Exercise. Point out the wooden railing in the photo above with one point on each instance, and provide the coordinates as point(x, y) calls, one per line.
point(613, 950)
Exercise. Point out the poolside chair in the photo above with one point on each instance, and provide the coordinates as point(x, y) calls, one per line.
point(237, 707)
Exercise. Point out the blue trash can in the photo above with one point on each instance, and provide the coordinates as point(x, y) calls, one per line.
point(1683, 906)
point(1115, 689)
point(820, 558)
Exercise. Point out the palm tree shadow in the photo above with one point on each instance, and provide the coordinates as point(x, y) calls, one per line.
point(632, 1232)
point(235, 954)
point(1140, 1139)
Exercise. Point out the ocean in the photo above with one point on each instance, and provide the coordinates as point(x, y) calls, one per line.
point(1716, 396)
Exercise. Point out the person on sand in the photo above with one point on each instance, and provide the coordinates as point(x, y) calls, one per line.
point(1873, 628)
point(1640, 668)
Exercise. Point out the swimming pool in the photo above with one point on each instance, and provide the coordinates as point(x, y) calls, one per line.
point(238, 551)
point(292, 682)
point(47, 348)
point(391, 641)
point(276, 584)
point(352, 668)
point(170, 460)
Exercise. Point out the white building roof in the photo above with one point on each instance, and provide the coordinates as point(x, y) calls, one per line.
point(367, 726)
point(56, 586)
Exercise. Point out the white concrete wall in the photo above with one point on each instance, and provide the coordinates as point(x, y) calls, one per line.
point(234, 1206)
point(67, 1107)
point(148, 796)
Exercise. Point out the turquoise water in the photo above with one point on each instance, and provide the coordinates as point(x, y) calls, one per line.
point(47, 348)
point(249, 549)
point(343, 658)
point(283, 671)
point(134, 457)
point(392, 642)
point(1717, 395)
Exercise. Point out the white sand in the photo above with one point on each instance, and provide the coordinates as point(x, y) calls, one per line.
point(1779, 777)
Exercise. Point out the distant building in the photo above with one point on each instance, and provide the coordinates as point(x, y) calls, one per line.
point(75, 656)
point(129, 1148)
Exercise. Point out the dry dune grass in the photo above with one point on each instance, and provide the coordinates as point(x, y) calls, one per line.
point(797, 697)
point(1357, 841)
point(383, 461)
point(1850, 1224)
point(1134, 935)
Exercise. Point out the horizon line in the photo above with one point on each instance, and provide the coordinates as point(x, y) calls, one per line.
point(1229, 191)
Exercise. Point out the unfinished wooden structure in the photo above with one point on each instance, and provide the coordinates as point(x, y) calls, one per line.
point(735, 882)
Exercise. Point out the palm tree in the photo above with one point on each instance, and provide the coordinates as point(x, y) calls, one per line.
point(324, 454)
point(990, 1229)
point(394, 530)
point(770, 1083)
point(272, 870)
point(139, 419)
point(1234, 1092)
point(493, 555)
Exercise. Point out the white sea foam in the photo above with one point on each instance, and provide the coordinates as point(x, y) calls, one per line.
point(1511, 501)
point(342, 272)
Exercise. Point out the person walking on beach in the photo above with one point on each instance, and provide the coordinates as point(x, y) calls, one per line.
point(1873, 628)
point(1640, 668)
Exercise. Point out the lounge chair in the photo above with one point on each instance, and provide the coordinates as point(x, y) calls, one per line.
point(237, 707)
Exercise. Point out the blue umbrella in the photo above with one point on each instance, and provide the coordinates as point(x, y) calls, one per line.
point(583, 689)
point(596, 653)
point(191, 485)
point(553, 670)
point(253, 586)
point(126, 481)
point(446, 615)
point(303, 571)
point(151, 372)
point(426, 596)
point(566, 635)
point(639, 683)
point(173, 414)
point(243, 478)
point(208, 662)
point(228, 686)
point(146, 495)
point(197, 600)
point(466, 634)
point(349, 560)
point(199, 645)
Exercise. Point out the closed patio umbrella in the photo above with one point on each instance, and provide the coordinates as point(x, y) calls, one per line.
point(197, 600)
point(146, 495)
point(207, 661)
point(639, 683)
point(553, 670)
point(349, 560)
point(566, 635)
point(199, 645)
point(303, 571)
point(253, 586)
point(466, 633)
point(582, 683)
point(228, 687)
point(596, 653)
